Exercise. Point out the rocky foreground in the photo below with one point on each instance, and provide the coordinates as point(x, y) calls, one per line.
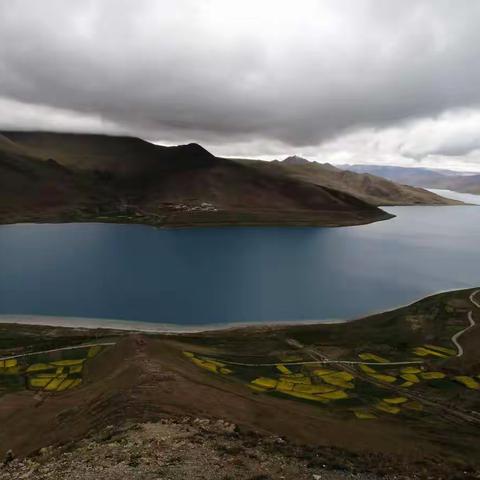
point(177, 449)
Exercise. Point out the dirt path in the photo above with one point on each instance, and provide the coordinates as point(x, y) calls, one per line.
point(471, 322)
point(87, 345)
point(316, 362)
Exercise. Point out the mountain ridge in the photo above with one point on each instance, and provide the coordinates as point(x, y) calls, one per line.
point(126, 179)
point(465, 182)
point(370, 188)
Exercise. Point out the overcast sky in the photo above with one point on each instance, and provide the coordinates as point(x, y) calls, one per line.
point(345, 81)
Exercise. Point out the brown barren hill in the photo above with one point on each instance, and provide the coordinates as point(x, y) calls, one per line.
point(370, 188)
point(31, 189)
point(466, 182)
point(127, 179)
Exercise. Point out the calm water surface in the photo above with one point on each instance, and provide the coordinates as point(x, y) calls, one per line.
point(216, 276)
point(464, 197)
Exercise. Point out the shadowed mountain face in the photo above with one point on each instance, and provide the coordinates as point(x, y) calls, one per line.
point(370, 188)
point(54, 176)
point(33, 188)
point(424, 177)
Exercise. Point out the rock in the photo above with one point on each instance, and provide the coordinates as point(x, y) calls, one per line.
point(9, 456)
point(45, 451)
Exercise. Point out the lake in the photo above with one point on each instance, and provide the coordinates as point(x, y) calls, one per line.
point(464, 197)
point(216, 276)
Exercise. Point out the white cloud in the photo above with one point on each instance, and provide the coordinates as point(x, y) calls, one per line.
point(28, 116)
point(363, 80)
point(450, 140)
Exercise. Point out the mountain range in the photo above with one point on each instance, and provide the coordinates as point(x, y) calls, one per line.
point(466, 182)
point(48, 176)
point(370, 188)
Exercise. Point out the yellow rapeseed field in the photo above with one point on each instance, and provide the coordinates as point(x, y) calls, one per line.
point(283, 369)
point(38, 367)
point(306, 396)
point(320, 372)
point(55, 383)
point(75, 369)
point(411, 370)
point(367, 369)
point(335, 395)
point(395, 400)
point(364, 415)
point(312, 389)
point(204, 364)
point(67, 363)
point(413, 405)
point(424, 352)
point(93, 351)
point(410, 377)
point(469, 382)
point(285, 385)
point(385, 407)
point(209, 364)
point(38, 382)
point(446, 351)
point(265, 382)
point(65, 385)
point(256, 388)
point(339, 379)
point(383, 378)
point(373, 357)
point(432, 375)
point(296, 379)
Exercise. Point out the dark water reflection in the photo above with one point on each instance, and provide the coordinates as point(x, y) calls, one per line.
point(209, 276)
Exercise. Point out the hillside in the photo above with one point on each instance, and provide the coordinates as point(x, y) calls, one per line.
point(424, 177)
point(370, 188)
point(386, 394)
point(53, 176)
point(31, 189)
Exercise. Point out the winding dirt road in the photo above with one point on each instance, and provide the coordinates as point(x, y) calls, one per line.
point(471, 322)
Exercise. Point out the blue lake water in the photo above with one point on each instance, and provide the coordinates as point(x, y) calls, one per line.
point(221, 275)
point(464, 197)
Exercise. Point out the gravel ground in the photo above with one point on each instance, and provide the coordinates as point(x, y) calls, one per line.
point(173, 449)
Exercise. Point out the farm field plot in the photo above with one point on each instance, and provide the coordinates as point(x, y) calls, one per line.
point(364, 391)
point(398, 364)
point(49, 371)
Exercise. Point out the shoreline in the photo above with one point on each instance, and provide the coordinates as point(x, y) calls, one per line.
point(91, 323)
point(209, 225)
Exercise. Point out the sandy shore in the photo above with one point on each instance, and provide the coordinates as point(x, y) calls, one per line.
point(151, 327)
point(147, 327)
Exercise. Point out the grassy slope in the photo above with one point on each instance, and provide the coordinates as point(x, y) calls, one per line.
point(126, 179)
point(145, 377)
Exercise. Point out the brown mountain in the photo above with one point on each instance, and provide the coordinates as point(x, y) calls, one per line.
point(467, 182)
point(32, 189)
point(59, 177)
point(370, 188)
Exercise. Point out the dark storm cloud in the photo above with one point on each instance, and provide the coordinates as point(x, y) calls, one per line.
point(293, 72)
